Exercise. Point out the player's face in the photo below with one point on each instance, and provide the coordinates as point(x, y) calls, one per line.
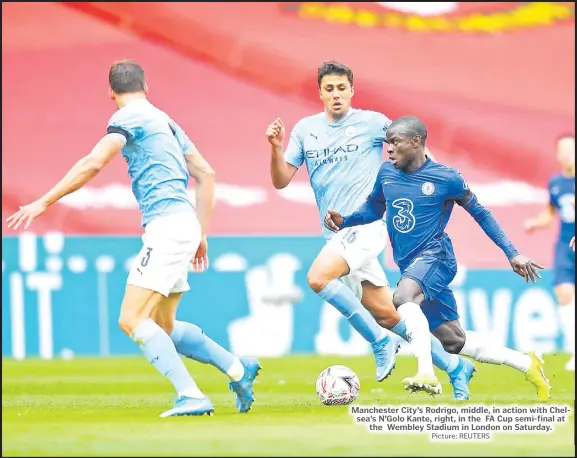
point(566, 152)
point(402, 148)
point(336, 93)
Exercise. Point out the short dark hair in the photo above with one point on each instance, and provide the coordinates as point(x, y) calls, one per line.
point(411, 125)
point(334, 68)
point(126, 76)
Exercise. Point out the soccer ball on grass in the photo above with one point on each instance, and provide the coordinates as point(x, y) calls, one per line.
point(337, 385)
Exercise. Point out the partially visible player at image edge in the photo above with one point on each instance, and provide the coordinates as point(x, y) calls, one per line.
point(342, 148)
point(562, 202)
point(160, 159)
point(418, 196)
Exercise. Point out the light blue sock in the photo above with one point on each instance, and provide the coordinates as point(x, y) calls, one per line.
point(192, 342)
point(441, 358)
point(160, 351)
point(345, 301)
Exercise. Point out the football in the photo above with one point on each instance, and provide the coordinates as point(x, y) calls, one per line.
point(338, 385)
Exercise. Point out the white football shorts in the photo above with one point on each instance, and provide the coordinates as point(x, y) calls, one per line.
point(169, 244)
point(360, 247)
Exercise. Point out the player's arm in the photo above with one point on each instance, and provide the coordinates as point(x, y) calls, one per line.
point(204, 175)
point(543, 219)
point(372, 210)
point(283, 165)
point(523, 266)
point(80, 174)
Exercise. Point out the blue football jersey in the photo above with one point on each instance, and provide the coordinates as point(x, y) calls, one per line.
point(418, 208)
point(342, 157)
point(154, 150)
point(562, 197)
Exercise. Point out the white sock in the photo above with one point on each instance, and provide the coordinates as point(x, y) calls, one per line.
point(236, 371)
point(567, 318)
point(160, 351)
point(418, 336)
point(475, 347)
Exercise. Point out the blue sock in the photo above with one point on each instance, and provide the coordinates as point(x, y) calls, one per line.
point(160, 351)
point(192, 342)
point(345, 301)
point(441, 358)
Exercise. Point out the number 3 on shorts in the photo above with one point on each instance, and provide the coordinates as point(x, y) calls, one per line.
point(146, 257)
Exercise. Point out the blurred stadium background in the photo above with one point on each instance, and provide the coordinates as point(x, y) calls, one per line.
point(493, 81)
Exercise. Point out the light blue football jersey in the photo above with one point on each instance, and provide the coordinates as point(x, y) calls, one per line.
point(342, 157)
point(154, 150)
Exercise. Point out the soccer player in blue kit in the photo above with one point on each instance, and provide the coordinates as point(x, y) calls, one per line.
point(160, 158)
point(418, 196)
point(342, 148)
point(562, 201)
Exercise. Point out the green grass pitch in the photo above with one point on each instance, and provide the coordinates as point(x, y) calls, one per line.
point(104, 407)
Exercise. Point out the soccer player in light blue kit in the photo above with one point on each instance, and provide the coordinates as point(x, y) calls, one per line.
point(160, 159)
point(418, 196)
point(342, 148)
point(562, 201)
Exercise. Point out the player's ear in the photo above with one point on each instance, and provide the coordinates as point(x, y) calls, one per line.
point(352, 91)
point(145, 89)
point(111, 94)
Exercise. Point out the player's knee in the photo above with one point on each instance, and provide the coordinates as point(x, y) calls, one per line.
point(454, 342)
point(402, 297)
point(318, 280)
point(128, 322)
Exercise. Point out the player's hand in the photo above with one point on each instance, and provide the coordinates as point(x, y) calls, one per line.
point(200, 261)
point(531, 225)
point(526, 268)
point(26, 214)
point(275, 133)
point(572, 243)
point(333, 221)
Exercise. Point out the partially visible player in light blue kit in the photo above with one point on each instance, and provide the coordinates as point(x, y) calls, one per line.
point(160, 159)
point(562, 202)
point(342, 148)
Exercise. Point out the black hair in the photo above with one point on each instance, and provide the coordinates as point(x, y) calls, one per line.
point(410, 125)
point(126, 76)
point(334, 68)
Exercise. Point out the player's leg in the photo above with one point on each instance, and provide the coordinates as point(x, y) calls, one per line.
point(371, 286)
point(565, 294)
point(346, 253)
point(421, 282)
point(460, 370)
point(191, 341)
point(407, 299)
point(564, 287)
point(471, 344)
point(135, 320)
point(379, 301)
point(169, 244)
point(343, 254)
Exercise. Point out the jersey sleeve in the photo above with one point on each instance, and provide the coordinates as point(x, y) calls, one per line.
point(295, 154)
point(183, 140)
point(458, 186)
point(119, 124)
point(380, 124)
